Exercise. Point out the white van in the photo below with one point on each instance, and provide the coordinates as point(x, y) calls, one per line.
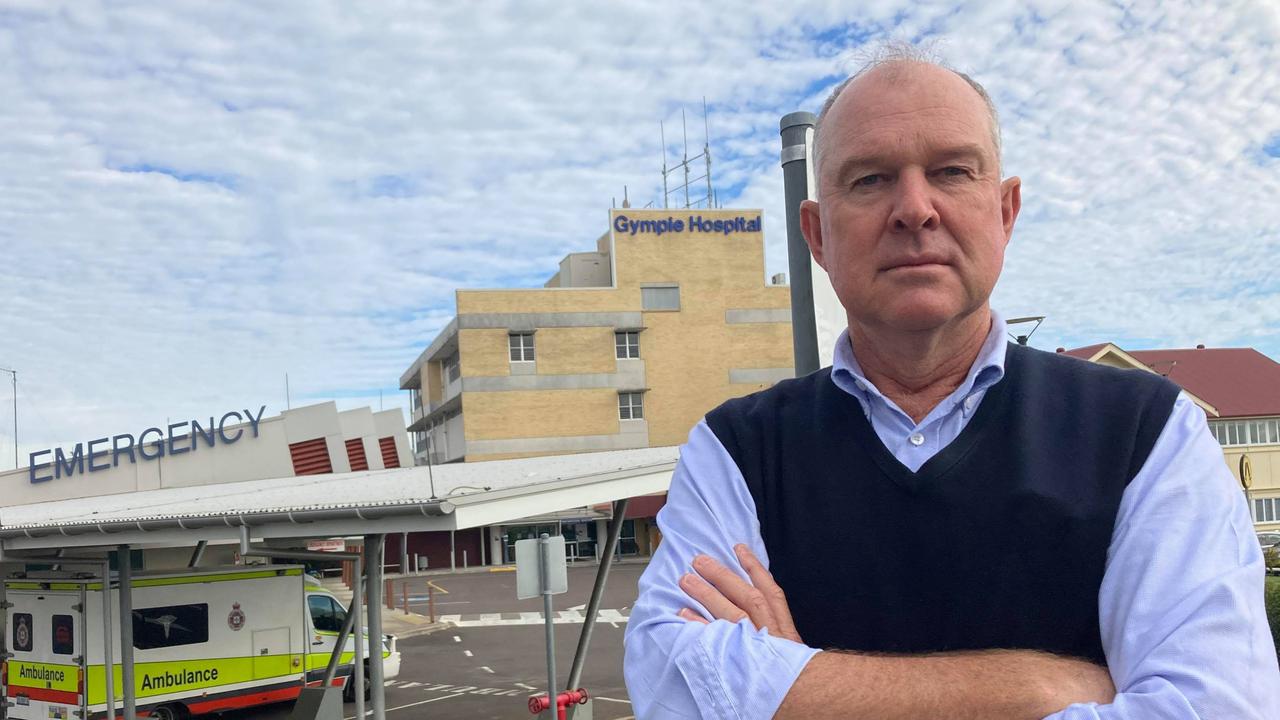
point(205, 640)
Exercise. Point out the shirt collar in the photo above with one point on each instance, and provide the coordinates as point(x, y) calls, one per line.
point(987, 369)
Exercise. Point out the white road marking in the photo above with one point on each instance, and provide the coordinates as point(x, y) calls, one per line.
point(597, 697)
point(521, 685)
point(411, 684)
point(485, 668)
point(415, 704)
point(385, 683)
point(467, 653)
point(561, 617)
point(455, 639)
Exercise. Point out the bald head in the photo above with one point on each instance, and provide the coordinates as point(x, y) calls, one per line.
point(899, 65)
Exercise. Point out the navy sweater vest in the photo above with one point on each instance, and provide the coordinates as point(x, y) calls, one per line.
point(998, 541)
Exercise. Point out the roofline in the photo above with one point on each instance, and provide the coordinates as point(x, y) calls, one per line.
point(448, 331)
point(1110, 347)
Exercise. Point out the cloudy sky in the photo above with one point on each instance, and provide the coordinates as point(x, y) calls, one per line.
point(198, 198)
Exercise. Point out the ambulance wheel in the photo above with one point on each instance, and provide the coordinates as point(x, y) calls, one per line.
point(349, 689)
point(175, 711)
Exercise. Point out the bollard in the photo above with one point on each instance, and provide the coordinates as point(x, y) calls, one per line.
point(464, 559)
point(404, 593)
point(389, 592)
point(431, 601)
point(538, 703)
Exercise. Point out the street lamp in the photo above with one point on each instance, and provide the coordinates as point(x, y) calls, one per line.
point(14, 373)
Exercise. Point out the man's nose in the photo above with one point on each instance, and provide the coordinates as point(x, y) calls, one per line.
point(913, 207)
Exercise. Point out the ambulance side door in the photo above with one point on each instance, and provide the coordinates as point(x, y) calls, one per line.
point(326, 617)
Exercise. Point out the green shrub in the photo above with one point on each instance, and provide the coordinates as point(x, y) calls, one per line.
point(1273, 609)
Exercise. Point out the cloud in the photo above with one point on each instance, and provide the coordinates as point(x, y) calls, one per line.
point(196, 198)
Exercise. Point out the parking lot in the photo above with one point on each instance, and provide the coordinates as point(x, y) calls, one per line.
point(494, 658)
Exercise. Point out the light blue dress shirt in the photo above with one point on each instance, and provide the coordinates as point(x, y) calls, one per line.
point(1181, 603)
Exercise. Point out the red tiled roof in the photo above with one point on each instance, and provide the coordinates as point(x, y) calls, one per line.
point(1239, 382)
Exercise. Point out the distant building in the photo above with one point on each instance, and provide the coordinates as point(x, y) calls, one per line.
point(1239, 390)
point(626, 346)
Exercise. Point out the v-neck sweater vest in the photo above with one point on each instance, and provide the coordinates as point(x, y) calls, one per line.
point(998, 541)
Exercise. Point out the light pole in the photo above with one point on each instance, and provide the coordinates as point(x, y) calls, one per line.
point(14, 373)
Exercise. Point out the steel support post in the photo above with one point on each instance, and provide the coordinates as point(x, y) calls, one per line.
point(124, 562)
point(795, 129)
point(597, 593)
point(198, 554)
point(404, 553)
point(373, 546)
point(357, 609)
point(108, 651)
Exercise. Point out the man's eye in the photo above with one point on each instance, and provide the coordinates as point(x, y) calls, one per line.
point(868, 181)
point(955, 171)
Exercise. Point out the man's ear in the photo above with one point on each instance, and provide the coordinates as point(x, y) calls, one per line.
point(1010, 204)
point(811, 228)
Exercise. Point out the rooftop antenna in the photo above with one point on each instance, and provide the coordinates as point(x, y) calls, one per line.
point(684, 126)
point(706, 151)
point(14, 373)
point(1022, 339)
point(287, 405)
point(663, 132)
point(626, 201)
point(685, 164)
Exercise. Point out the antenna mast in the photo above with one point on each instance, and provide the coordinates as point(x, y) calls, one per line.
point(685, 164)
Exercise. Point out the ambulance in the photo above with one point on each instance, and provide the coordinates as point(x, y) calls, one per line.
point(205, 641)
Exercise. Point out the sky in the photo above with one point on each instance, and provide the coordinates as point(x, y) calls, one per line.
point(197, 198)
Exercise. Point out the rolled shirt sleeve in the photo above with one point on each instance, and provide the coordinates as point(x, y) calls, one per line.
point(1183, 622)
point(679, 669)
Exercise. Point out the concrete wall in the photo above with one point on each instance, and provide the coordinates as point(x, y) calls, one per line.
point(248, 458)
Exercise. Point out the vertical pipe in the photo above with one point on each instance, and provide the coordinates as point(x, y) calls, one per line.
point(4, 642)
point(404, 553)
point(544, 579)
point(373, 546)
point(357, 607)
point(464, 560)
point(484, 539)
point(597, 593)
point(124, 560)
point(108, 659)
point(453, 554)
point(431, 601)
point(804, 330)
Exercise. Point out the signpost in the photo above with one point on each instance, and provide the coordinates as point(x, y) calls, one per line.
point(541, 570)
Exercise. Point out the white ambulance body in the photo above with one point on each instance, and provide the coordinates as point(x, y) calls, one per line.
point(205, 640)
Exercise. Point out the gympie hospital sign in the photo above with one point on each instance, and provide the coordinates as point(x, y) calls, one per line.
point(151, 444)
point(693, 224)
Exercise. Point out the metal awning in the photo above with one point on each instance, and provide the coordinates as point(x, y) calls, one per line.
point(359, 503)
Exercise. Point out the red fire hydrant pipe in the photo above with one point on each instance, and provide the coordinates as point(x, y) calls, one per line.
point(538, 703)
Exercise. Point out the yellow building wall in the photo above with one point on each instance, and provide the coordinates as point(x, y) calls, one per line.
point(1265, 461)
point(687, 354)
point(429, 380)
point(539, 413)
point(484, 352)
point(572, 350)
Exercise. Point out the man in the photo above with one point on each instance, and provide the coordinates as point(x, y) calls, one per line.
point(943, 525)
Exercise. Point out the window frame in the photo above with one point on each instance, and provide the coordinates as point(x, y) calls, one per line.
point(631, 405)
point(524, 347)
point(626, 344)
point(141, 631)
point(53, 635)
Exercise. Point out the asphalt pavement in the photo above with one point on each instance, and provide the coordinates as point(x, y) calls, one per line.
point(491, 657)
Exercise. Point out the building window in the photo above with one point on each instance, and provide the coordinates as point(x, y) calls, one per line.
point(631, 406)
point(1231, 433)
point(1264, 509)
point(521, 346)
point(626, 344)
point(660, 298)
point(449, 366)
point(170, 626)
point(326, 615)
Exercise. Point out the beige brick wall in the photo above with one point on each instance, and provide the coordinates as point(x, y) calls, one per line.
point(545, 300)
point(429, 377)
point(484, 352)
point(534, 413)
point(565, 351)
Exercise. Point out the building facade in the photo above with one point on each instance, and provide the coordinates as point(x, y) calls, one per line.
point(625, 346)
point(1239, 391)
point(225, 447)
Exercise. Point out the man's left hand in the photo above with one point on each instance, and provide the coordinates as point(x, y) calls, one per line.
point(726, 596)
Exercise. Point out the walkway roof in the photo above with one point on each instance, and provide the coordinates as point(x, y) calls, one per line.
point(466, 495)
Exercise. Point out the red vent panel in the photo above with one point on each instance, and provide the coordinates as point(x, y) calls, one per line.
point(356, 456)
point(311, 457)
point(390, 458)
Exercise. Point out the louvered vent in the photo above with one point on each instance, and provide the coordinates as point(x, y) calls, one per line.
point(390, 458)
point(310, 457)
point(356, 456)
